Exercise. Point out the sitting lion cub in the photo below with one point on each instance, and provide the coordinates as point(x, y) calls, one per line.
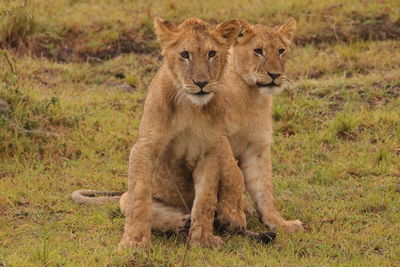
point(256, 70)
point(176, 159)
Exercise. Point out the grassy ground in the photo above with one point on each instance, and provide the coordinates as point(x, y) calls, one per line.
point(74, 75)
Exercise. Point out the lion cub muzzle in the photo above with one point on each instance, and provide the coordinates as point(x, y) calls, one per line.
point(202, 95)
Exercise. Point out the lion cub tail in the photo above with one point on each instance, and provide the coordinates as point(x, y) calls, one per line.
point(93, 197)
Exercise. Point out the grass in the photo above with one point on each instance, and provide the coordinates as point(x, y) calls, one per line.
point(72, 119)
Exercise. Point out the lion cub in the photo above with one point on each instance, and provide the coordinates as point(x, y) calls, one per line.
point(175, 162)
point(256, 70)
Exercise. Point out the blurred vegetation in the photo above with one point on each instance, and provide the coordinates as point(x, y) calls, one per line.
point(68, 30)
point(73, 81)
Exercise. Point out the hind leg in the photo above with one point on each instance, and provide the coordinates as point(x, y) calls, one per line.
point(164, 218)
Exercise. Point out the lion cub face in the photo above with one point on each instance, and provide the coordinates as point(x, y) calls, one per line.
point(260, 55)
point(196, 54)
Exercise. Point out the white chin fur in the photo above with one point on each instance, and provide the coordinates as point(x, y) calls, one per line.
point(274, 90)
point(200, 99)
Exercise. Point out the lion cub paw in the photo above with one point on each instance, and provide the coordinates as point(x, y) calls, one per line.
point(292, 226)
point(200, 238)
point(232, 220)
point(206, 240)
point(137, 240)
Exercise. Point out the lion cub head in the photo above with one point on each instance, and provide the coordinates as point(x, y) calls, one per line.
point(260, 55)
point(196, 54)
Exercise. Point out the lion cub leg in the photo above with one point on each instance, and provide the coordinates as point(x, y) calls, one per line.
point(231, 203)
point(205, 177)
point(137, 230)
point(163, 218)
point(256, 168)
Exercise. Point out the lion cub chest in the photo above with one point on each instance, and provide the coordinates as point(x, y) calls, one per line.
point(191, 145)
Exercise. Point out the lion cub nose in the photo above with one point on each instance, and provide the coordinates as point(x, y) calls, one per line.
point(200, 84)
point(273, 75)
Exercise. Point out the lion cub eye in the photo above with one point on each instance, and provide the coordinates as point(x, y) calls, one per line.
point(281, 51)
point(258, 51)
point(185, 54)
point(212, 53)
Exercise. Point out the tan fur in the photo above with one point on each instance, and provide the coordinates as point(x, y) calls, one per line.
point(249, 116)
point(94, 197)
point(176, 159)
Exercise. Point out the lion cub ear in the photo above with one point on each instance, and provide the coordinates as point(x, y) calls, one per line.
point(165, 31)
point(287, 30)
point(246, 32)
point(227, 31)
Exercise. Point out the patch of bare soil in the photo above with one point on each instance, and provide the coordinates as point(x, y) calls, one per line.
point(357, 27)
point(69, 47)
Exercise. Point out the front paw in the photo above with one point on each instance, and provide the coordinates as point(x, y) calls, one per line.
point(135, 240)
point(231, 219)
point(206, 240)
point(292, 226)
point(200, 238)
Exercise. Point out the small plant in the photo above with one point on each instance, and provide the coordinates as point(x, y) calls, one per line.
point(132, 79)
point(9, 77)
point(278, 112)
point(17, 24)
point(344, 126)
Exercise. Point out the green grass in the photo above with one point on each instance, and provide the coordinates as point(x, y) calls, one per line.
point(72, 120)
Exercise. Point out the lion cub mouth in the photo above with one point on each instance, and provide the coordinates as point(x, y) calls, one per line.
point(271, 84)
point(199, 93)
point(200, 98)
